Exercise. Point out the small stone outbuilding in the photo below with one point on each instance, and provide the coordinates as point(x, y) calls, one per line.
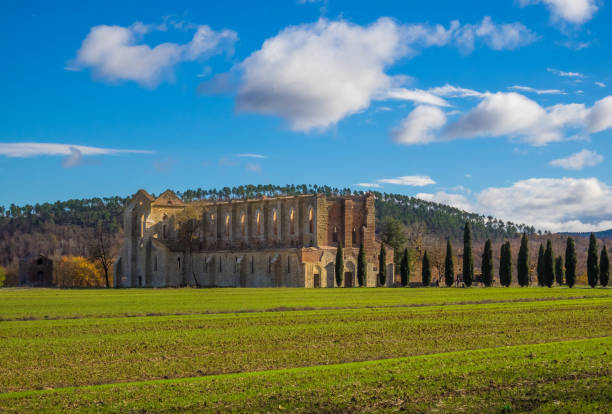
point(36, 270)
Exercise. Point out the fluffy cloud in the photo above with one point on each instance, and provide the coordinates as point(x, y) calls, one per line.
point(564, 204)
point(314, 75)
point(578, 161)
point(115, 53)
point(420, 126)
point(506, 114)
point(538, 91)
point(571, 11)
point(411, 180)
point(455, 200)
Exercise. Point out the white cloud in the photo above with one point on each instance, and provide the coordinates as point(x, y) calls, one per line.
point(600, 117)
point(600, 84)
point(250, 155)
point(34, 149)
point(571, 11)
point(314, 75)
point(456, 92)
point(420, 126)
point(578, 161)
point(75, 158)
point(115, 53)
point(256, 168)
point(368, 185)
point(557, 204)
point(455, 200)
point(538, 91)
point(411, 180)
point(414, 95)
point(565, 74)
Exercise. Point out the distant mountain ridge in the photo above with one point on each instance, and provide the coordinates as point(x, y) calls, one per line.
point(604, 234)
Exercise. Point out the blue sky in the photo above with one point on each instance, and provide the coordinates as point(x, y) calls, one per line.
point(498, 107)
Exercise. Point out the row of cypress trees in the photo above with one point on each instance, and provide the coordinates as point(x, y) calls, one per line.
point(549, 269)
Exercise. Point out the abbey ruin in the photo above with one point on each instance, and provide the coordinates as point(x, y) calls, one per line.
point(268, 242)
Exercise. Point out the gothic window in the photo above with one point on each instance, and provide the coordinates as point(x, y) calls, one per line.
point(275, 222)
point(243, 225)
point(142, 226)
point(178, 263)
point(310, 220)
point(354, 235)
point(236, 266)
point(258, 221)
point(269, 264)
point(220, 265)
point(335, 235)
point(292, 221)
point(288, 264)
point(155, 264)
point(227, 225)
point(163, 231)
point(252, 264)
point(205, 265)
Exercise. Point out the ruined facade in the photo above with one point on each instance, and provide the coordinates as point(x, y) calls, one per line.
point(281, 241)
point(36, 270)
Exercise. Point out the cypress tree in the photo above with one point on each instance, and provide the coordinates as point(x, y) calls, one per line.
point(426, 271)
point(522, 263)
point(570, 262)
point(468, 261)
point(604, 267)
point(362, 266)
point(505, 265)
point(449, 265)
point(487, 264)
point(549, 265)
point(339, 264)
point(405, 268)
point(382, 264)
point(540, 269)
point(559, 270)
point(592, 268)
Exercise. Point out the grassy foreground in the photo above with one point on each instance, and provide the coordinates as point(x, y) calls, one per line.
point(477, 350)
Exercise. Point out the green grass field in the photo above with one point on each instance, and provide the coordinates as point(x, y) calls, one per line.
point(323, 350)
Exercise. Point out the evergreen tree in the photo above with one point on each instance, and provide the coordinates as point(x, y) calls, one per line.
point(570, 262)
point(522, 263)
point(604, 267)
point(339, 264)
point(592, 268)
point(449, 265)
point(468, 261)
point(559, 270)
point(549, 265)
point(405, 268)
point(362, 266)
point(540, 268)
point(426, 270)
point(382, 264)
point(487, 264)
point(505, 265)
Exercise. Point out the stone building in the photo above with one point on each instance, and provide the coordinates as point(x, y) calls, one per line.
point(36, 270)
point(281, 241)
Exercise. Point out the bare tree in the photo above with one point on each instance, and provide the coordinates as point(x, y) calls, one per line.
point(103, 248)
point(189, 227)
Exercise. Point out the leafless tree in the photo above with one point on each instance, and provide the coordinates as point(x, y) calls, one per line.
point(189, 227)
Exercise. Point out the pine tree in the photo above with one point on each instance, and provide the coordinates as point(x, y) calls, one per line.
point(339, 264)
point(487, 264)
point(604, 267)
point(522, 263)
point(559, 270)
point(382, 265)
point(405, 268)
point(468, 260)
point(449, 265)
point(570, 262)
point(540, 270)
point(592, 268)
point(426, 270)
point(362, 266)
point(549, 265)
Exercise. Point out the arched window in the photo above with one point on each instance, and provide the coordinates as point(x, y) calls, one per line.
point(155, 264)
point(252, 264)
point(243, 225)
point(205, 265)
point(142, 226)
point(354, 235)
point(178, 263)
point(220, 265)
point(163, 231)
point(269, 264)
point(227, 225)
point(292, 221)
point(258, 221)
point(335, 235)
point(310, 220)
point(288, 264)
point(275, 222)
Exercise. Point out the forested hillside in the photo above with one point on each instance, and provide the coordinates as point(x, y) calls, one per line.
point(66, 227)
